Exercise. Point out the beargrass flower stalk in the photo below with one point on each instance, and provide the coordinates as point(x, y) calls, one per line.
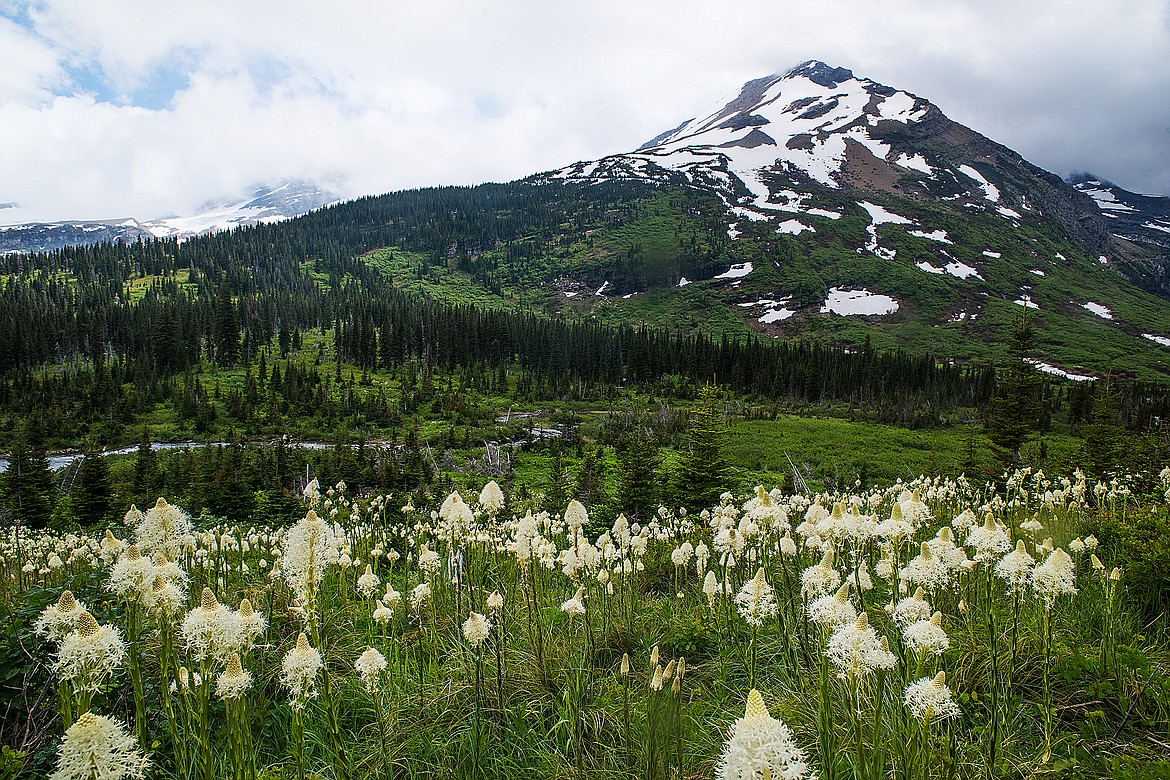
point(55, 623)
point(928, 701)
point(132, 577)
point(475, 631)
point(299, 672)
point(760, 746)
point(857, 652)
point(86, 660)
point(1015, 569)
point(495, 603)
point(575, 608)
point(755, 602)
point(1051, 579)
point(624, 669)
point(371, 668)
point(98, 748)
point(231, 686)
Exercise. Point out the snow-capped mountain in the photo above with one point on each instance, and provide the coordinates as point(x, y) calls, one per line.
point(268, 203)
point(1144, 219)
point(853, 207)
point(790, 142)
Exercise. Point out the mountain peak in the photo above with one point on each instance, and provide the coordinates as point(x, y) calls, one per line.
point(820, 73)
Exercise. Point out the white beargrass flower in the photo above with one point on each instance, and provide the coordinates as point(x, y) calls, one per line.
point(166, 529)
point(759, 745)
point(930, 699)
point(248, 625)
point(368, 583)
point(491, 499)
point(457, 517)
point(429, 560)
point(89, 654)
point(369, 666)
point(912, 609)
point(210, 630)
point(576, 605)
point(299, 671)
point(821, 579)
point(576, 515)
point(233, 681)
point(830, 612)
point(856, 651)
point(1055, 577)
point(926, 569)
point(60, 618)
point(711, 588)
point(420, 596)
point(98, 748)
point(787, 545)
point(926, 637)
point(755, 600)
point(382, 613)
point(132, 577)
point(476, 629)
point(306, 553)
point(1015, 568)
point(989, 540)
point(495, 602)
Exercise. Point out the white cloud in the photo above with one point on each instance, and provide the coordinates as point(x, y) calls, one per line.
point(391, 95)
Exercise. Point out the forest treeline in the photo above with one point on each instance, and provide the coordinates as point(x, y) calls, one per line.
point(97, 340)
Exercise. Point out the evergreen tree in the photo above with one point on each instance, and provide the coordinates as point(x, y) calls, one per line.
point(1015, 408)
point(639, 461)
point(227, 327)
point(145, 482)
point(93, 501)
point(703, 474)
point(589, 488)
point(556, 496)
point(27, 487)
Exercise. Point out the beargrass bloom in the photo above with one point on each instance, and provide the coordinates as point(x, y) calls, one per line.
point(491, 499)
point(830, 612)
point(233, 681)
point(210, 629)
point(476, 628)
point(927, 637)
point(576, 605)
point(98, 748)
point(1015, 568)
point(856, 651)
point(495, 602)
point(759, 746)
point(367, 584)
point(369, 666)
point(299, 671)
point(930, 699)
point(89, 654)
point(821, 579)
point(1055, 577)
point(59, 619)
point(755, 600)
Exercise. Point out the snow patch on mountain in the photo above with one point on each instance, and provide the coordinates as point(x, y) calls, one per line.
point(857, 302)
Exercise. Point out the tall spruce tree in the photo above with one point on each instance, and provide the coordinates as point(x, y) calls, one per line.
point(93, 500)
point(1015, 409)
point(639, 462)
point(703, 473)
point(27, 488)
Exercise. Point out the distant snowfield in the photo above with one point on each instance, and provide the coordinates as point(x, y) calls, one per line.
point(737, 271)
point(937, 235)
point(794, 227)
point(1048, 368)
point(1165, 342)
point(1099, 310)
point(990, 191)
point(1026, 302)
point(858, 302)
point(954, 268)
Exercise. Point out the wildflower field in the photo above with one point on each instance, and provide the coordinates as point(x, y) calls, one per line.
point(930, 629)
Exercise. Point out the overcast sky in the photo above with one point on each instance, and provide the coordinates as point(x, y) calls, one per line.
point(151, 107)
